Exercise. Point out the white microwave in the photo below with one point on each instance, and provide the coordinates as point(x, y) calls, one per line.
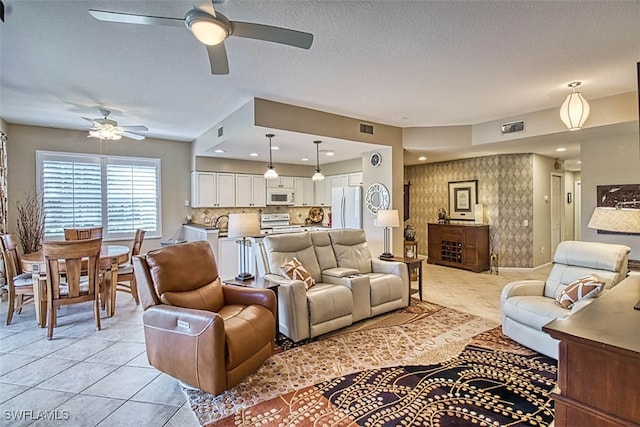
point(279, 196)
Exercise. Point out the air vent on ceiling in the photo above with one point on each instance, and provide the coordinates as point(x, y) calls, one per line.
point(220, 131)
point(512, 127)
point(366, 128)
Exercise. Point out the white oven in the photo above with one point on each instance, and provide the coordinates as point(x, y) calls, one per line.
point(279, 196)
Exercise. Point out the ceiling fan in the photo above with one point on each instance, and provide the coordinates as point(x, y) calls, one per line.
point(108, 129)
point(212, 29)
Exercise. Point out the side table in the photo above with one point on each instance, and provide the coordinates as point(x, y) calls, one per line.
point(412, 263)
point(260, 283)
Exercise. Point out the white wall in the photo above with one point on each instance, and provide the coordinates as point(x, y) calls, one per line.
point(609, 161)
point(542, 168)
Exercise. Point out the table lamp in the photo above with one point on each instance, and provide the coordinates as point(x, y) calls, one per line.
point(387, 219)
point(242, 225)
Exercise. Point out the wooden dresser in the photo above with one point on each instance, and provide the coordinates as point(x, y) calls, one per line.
point(599, 361)
point(459, 245)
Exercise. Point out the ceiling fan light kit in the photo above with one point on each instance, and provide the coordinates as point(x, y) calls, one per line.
point(108, 130)
point(575, 109)
point(208, 29)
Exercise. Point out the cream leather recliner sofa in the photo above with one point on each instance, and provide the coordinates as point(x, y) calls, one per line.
point(528, 305)
point(350, 284)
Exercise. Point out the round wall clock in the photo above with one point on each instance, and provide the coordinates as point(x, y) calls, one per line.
point(377, 197)
point(375, 159)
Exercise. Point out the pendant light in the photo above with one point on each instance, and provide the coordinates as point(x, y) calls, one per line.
point(271, 171)
point(318, 175)
point(575, 109)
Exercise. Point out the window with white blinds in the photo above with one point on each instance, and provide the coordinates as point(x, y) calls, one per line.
point(120, 194)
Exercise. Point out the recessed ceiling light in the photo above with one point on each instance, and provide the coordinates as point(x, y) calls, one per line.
point(304, 159)
point(330, 153)
point(253, 154)
point(403, 118)
point(579, 162)
point(275, 147)
point(219, 151)
point(561, 149)
point(422, 158)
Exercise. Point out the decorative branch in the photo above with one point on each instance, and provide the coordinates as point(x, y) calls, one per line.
point(30, 223)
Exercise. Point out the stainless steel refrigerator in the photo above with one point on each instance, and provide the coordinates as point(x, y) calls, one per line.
point(346, 207)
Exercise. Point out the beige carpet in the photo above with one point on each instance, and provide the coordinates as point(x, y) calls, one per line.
point(424, 333)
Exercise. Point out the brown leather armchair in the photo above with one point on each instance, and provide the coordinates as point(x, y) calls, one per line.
point(198, 330)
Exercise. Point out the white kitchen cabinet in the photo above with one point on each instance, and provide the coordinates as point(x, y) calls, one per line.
point(354, 179)
point(250, 191)
point(338, 181)
point(280, 182)
point(322, 194)
point(212, 189)
point(304, 192)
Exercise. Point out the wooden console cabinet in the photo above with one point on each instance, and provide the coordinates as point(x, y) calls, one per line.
point(599, 361)
point(459, 245)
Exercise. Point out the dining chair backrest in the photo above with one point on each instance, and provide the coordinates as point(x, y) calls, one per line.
point(9, 243)
point(79, 274)
point(82, 233)
point(137, 242)
point(73, 276)
point(19, 286)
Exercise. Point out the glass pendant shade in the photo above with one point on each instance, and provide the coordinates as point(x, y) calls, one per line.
point(270, 173)
point(575, 109)
point(318, 176)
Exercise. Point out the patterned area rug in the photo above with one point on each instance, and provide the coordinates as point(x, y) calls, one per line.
point(417, 366)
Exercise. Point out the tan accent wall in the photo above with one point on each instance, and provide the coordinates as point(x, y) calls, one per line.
point(175, 158)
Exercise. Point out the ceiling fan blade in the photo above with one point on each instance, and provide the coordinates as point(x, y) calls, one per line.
point(130, 18)
point(135, 128)
point(218, 59)
point(272, 34)
point(88, 119)
point(132, 136)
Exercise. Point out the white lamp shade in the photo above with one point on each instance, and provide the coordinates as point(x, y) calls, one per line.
point(574, 111)
point(244, 224)
point(615, 219)
point(317, 176)
point(388, 218)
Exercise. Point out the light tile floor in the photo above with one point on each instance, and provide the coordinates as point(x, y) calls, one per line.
point(85, 377)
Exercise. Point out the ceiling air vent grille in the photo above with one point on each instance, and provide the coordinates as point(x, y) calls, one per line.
point(366, 129)
point(220, 131)
point(512, 127)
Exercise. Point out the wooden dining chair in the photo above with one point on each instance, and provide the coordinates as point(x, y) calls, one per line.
point(126, 278)
point(82, 233)
point(19, 284)
point(72, 276)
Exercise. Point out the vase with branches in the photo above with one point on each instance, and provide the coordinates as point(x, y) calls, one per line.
point(30, 222)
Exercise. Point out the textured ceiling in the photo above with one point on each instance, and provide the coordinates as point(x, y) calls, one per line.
point(403, 63)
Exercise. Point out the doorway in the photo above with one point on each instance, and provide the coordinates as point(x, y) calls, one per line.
point(577, 209)
point(557, 205)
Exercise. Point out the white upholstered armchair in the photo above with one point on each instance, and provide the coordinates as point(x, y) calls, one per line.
point(528, 305)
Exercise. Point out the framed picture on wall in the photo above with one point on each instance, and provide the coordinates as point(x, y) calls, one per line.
point(463, 196)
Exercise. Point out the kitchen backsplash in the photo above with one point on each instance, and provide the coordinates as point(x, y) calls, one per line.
point(298, 214)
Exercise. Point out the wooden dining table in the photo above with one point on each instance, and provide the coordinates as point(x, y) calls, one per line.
point(110, 257)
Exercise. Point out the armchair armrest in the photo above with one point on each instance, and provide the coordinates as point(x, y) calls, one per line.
point(522, 288)
point(199, 334)
point(292, 307)
point(390, 267)
point(250, 296)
